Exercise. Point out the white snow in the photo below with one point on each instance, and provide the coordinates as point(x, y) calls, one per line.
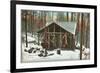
point(30, 37)
point(65, 54)
point(77, 44)
point(85, 53)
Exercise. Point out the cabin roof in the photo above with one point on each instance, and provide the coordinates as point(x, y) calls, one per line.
point(68, 26)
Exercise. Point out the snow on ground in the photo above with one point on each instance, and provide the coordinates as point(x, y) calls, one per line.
point(65, 54)
point(77, 44)
point(85, 53)
point(30, 37)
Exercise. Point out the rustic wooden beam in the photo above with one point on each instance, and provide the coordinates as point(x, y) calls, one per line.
point(60, 39)
point(48, 39)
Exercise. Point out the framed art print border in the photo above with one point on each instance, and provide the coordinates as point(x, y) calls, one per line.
point(13, 36)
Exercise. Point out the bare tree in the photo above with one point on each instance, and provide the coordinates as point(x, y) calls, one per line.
point(81, 41)
point(26, 28)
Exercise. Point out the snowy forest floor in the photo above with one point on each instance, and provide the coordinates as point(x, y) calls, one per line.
point(33, 57)
point(65, 55)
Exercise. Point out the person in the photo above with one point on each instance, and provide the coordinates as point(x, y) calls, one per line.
point(41, 53)
point(45, 53)
point(64, 40)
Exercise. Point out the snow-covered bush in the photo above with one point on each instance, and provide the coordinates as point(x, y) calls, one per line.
point(85, 53)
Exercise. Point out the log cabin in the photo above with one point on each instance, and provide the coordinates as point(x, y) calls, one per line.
point(58, 35)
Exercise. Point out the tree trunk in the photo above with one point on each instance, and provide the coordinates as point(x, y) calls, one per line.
point(26, 28)
point(81, 40)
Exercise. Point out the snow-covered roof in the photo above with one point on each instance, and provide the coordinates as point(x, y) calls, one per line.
point(68, 26)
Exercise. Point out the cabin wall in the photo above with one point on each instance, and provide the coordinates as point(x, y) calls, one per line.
point(54, 40)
